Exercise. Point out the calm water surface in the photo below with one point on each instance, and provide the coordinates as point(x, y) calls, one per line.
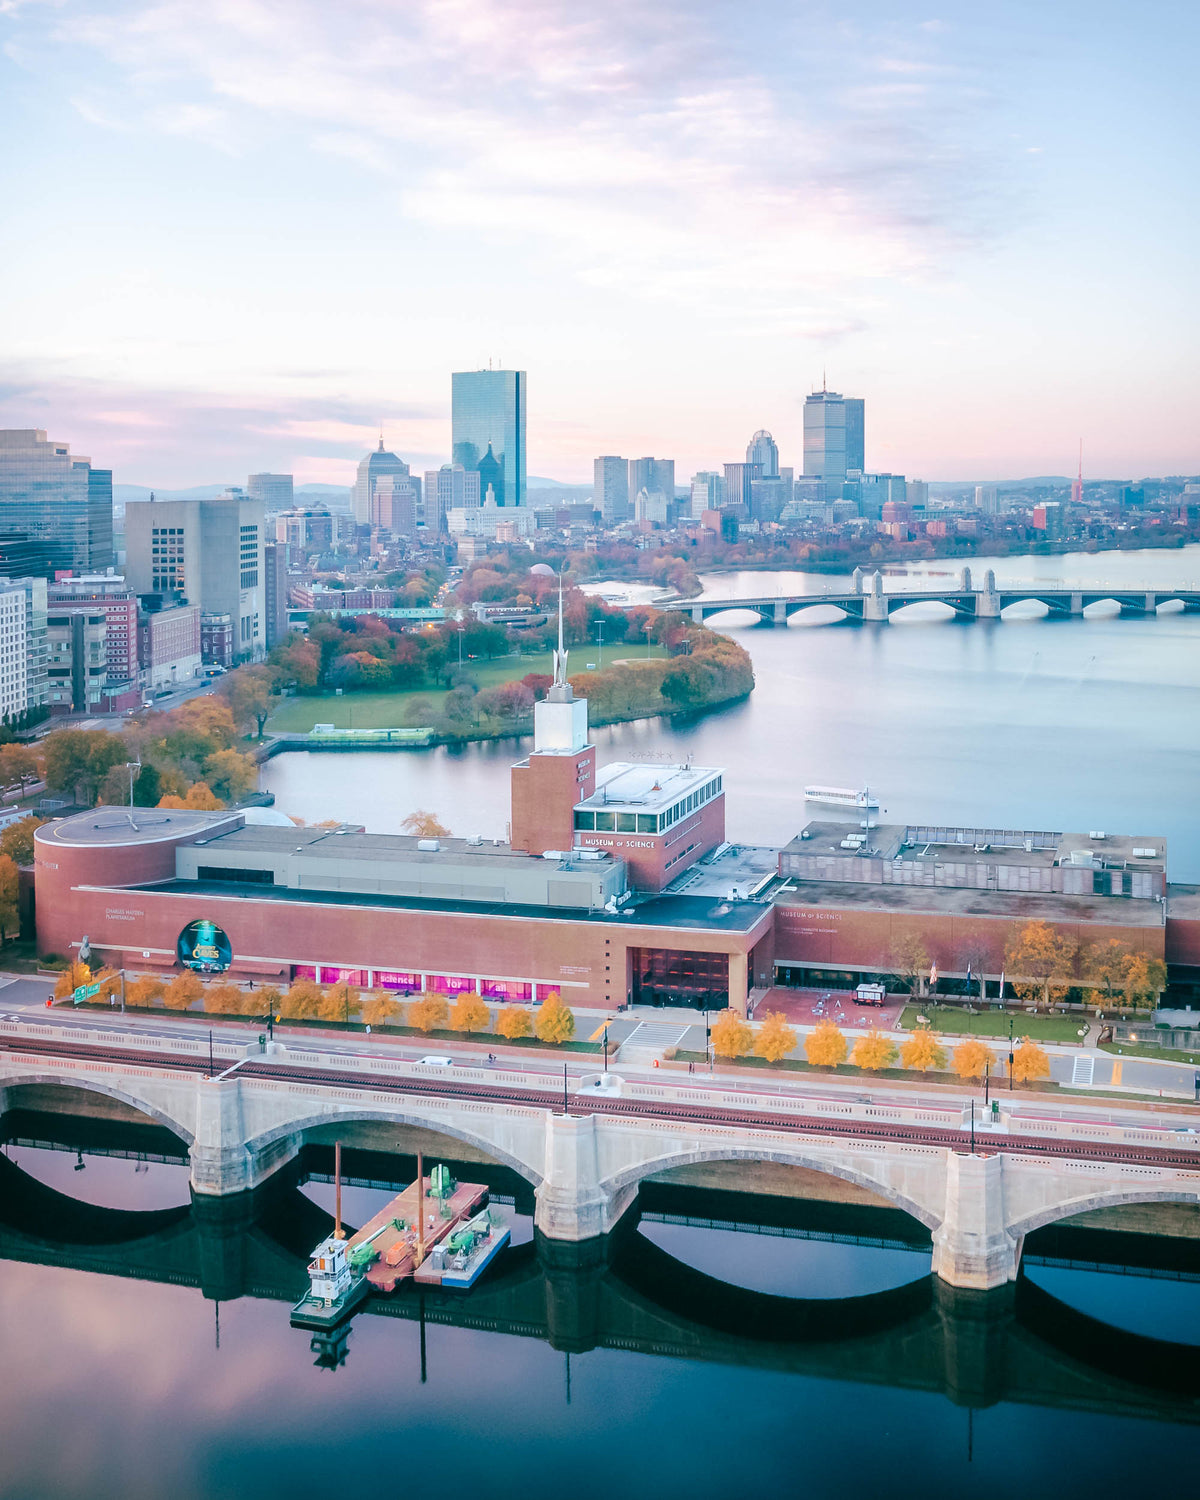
point(122, 1387)
point(1027, 722)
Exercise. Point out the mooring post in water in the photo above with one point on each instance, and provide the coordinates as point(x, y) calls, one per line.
point(420, 1208)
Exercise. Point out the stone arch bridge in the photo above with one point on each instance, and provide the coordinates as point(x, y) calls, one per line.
point(585, 1165)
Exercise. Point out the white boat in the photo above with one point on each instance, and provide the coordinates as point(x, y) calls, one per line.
point(841, 796)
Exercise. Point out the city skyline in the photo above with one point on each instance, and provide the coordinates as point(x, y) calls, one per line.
point(944, 202)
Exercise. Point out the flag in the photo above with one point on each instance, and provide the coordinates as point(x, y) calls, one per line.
point(933, 974)
point(968, 979)
point(1002, 984)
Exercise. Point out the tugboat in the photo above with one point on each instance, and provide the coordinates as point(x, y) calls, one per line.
point(336, 1286)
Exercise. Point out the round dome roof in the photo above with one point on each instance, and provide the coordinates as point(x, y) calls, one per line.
point(543, 570)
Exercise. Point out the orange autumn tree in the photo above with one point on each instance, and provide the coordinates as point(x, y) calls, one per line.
point(382, 1010)
point(825, 1045)
point(302, 1002)
point(922, 1051)
point(873, 1051)
point(183, 991)
point(1029, 1062)
point(731, 1035)
point(469, 1013)
point(972, 1059)
point(70, 979)
point(514, 1021)
point(223, 999)
point(775, 1037)
point(429, 1013)
point(555, 1021)
point(144, 990)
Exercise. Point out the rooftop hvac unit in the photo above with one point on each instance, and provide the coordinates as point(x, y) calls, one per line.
point(1082, 857)
point(1144, 853)
point(428, 846)
point(1097, 835)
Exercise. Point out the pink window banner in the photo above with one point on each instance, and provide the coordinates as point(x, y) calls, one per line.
point(506, 989)
point(448, 984)
point(304, 971)
point(396, 979)
point(330, 975)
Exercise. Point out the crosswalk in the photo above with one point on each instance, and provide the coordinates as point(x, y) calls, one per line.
point(1084, 1071)
point(651, 1039)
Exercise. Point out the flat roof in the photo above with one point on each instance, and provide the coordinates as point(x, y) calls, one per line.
point(996, 846)
point(649, 787)
point(697, 913)
point(350, 842)
point(148, 825)
point(957, 900)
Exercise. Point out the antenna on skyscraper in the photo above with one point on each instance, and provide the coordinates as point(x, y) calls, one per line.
point(824, 387)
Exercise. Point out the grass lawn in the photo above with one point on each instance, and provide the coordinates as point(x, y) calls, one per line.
point(1145, 1049)
point(390, 710)
point(952, 1019)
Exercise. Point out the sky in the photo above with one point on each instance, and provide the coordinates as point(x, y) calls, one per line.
point(249, 234)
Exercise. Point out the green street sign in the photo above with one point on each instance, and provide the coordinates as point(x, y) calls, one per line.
point(85, 992)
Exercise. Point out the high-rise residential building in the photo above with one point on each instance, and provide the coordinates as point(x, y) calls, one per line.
point(833, 435)
point(651, 506)
point(708, 492)
point(204, 552)
point(33, 591)
point(918, 492)
point(275, 590)
point(276, 491)
point(55, 509)
point(374, 467)
point(105, 595)
point(14, 682)
point(876, 490)
point(77, 669)
point(394, 499)
point(987, 499)
point(610, 488)
point(763, 450)
point(651, 474)
point(488, 430)
point(449, 488)
point(738, 481)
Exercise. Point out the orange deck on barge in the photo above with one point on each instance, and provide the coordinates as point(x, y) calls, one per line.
point(398, 1249)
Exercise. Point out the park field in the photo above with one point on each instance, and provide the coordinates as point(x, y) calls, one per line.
point(953, 1020)
point(394, 710)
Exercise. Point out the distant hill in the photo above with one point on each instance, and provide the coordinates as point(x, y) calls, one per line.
point(336, 496)
point(533, 482)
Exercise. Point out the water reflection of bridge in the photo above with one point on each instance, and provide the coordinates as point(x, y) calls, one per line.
point(1017, 1344)
point(869, 601)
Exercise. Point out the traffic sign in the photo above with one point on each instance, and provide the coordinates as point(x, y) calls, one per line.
point(85, 992)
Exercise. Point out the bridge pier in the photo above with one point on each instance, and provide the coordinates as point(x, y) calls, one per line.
point(570, 1202)
point(221, 1160)
point(987, 600)
point(780, 614)
point(971, 1247)
point(875, 603)
point(698, 614)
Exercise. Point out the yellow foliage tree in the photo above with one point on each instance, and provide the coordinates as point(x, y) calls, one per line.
point(225, 999)
point(144, 990)
point(469, 1014)
point(775, 1037)
point(1029, 1062)
point(1145, 980)
point(10, 899)
point(302, 1001)
point(1039, 961)
point(183, 991)
point(340, 1002)
point(382, 1010)
point(873, 1051)
point(429, 1013)
point(555, 1021)
point(1105, 965)
point(425, 825)
point(922, 1051)
point(70, 979)
point(267, 1001)
point(514, 1021)
point(200, 798)
point(732, 1035)
point(972, 1059)
point(825, 1046)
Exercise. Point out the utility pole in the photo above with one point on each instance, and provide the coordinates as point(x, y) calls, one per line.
point(600, 645)
point(566, 1101)
point(1010, 1054)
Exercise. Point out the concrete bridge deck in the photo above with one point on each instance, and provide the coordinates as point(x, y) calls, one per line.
point(978, 1192)
point(869, 600)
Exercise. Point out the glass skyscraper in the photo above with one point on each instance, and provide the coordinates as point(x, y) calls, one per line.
point(55, 510)
point(488, 430)
point(833, 435)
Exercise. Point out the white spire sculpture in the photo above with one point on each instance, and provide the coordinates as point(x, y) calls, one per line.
point(560, 689)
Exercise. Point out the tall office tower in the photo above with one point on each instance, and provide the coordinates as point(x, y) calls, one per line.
point(55, 510)
point(205, 552)
point(275, 588)
point(488, 430)
point(370, 471)
point(833, 435)
point(708, 492)
point(394, 502)
point(987, 499)
point(918, 492)
point(449, 488)
point(762, 449)
point(738, 479)
point(610, 488)
point(274, 490)
point(651, 474)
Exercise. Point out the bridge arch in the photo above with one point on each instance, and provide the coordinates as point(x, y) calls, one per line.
point(354, 1114)
point(1086, 1203)
point(621, 1185)
point(11, 1082)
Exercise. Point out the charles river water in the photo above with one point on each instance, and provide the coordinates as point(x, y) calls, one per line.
point(146, 1349)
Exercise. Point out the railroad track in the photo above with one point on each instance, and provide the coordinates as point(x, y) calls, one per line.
point(675, 1111)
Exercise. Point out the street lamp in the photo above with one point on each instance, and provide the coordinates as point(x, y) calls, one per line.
point(133, 767)
point(1010, 1054)
point(606, 1046)
point(600, 644)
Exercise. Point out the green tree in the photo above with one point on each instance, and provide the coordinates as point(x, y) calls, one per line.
point(775, 1038)
point(77, 761)
point(16, 841)
point(231, 775)
point(555, 1021)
